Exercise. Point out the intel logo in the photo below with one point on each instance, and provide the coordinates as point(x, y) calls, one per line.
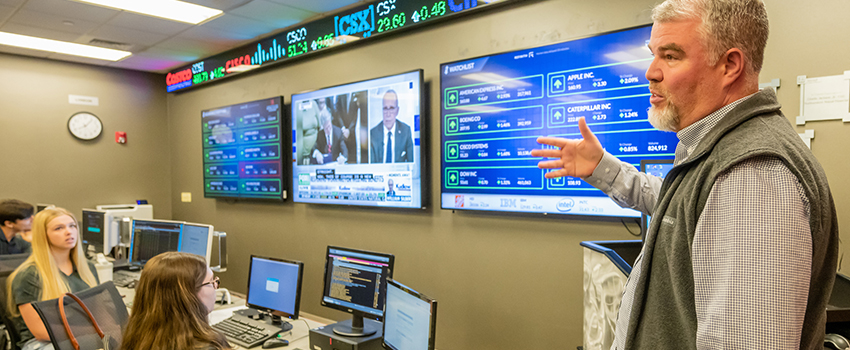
point(565, 205)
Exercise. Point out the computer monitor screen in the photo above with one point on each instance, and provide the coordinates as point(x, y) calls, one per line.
point(94, 228)
point(196, 239)
point(494, 108)
point(242, 146)
point(153, 237)
point(360, 143)
point(410, 319)
point(274, 286)
point(657, 168)
point(356, 282)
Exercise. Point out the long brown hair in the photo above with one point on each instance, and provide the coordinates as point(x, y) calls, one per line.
point(51, 281)
point(167, 313)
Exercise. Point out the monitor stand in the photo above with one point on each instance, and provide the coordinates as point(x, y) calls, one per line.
point(266, 317)
point(356, 328)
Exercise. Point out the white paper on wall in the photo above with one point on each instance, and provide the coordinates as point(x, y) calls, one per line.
point(824, 98)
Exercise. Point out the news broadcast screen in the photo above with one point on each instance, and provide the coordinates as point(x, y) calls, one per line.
point(359, 143)
point(242, 150)
point(494, 108)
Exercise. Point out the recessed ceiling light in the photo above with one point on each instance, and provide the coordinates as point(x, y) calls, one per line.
point(68, 23)
point(168, 9)
point(63, 47)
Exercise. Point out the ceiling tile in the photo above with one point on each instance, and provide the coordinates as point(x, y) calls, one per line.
point(78, 59)
point(169, 54)
point(223, 5)
point(213, 35)
point(236, 24)
point(195, 47)
point(317, 6)
point(148, 24)
point(39, 32)
point(12, 3)
point(278, 15)
point(52, 22)
point(128, 36)
point(5, 12)
point(25, 52)
point(143, 62)
point(72, 9)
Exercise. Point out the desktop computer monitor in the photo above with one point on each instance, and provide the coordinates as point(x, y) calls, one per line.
point(118, 225)
point(274, 287)
point(655, 167)
point(93, 229)
point(149, 238)
point(196, 239)
point(356, 282)
point(410, 319)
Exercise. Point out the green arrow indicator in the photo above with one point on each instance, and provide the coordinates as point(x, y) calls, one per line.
point(453, 178)
point(594, 84)
point(208, 185)
point(452, 98)
point(452, 150)
point(622, 81)
point(558, 115)
point(621, 115)
point(558, 84)
point(243, 185)
point(452, 124)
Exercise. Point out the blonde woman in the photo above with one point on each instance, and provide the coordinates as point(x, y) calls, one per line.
point(57, 265)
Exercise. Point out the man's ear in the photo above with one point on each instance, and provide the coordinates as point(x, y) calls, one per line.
point(734, 64)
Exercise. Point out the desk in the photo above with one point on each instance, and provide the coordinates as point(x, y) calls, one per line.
point(298, 337)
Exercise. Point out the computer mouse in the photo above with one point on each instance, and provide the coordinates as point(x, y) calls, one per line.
point(275, 343)
point(132, 284)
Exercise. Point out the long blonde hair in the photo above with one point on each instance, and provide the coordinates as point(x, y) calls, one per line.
point(53, 285)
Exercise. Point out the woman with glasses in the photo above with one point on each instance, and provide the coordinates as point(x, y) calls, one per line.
point(174, 296)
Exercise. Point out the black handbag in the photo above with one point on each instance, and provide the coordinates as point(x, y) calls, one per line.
point(88, 320)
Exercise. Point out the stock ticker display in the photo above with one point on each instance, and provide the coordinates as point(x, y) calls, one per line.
point(362, 22)
point(493, 109)
point(242, 150)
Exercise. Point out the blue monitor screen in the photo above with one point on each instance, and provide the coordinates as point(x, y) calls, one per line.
point(359, 143)
point(242, 150)
point(407, 320)
point(494, 108)
point(195, 239)
point(274, 285)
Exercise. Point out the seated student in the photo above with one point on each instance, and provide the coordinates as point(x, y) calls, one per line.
point(51, 271)
point(15, 218)
point(174, 297)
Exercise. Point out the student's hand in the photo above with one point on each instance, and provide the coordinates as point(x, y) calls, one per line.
point(577, 158)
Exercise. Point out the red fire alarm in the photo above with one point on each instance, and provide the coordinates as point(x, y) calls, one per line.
point(120, 137)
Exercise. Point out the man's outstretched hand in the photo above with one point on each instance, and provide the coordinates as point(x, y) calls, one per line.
point(577, 158)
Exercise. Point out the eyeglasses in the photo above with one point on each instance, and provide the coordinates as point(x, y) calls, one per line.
point(215, 283)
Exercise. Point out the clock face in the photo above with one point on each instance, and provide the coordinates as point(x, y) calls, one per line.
point(85, 126)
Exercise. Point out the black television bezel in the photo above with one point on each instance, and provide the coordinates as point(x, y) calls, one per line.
point(284, 147)
point(432, 332)
point(328, 262)
point(84, 229)
point(644, 220)
point(297, 290)
point(424, 194)
point(513, 212)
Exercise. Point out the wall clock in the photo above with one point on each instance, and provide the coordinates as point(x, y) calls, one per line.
point(85, 126)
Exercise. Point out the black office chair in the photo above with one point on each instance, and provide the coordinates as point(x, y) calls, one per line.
point(9, 336)
point(106, 307)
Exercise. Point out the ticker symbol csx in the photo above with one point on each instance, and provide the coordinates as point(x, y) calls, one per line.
point(460, 5)
point(359, 22)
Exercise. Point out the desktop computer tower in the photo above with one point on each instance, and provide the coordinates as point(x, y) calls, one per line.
point(324, 338)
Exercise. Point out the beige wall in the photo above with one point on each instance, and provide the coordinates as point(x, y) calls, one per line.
point(43, 163)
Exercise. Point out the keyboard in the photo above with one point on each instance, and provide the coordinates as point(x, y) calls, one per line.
point(245, 332)
point(126, 279)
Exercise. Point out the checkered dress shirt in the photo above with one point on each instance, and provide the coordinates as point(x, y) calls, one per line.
point(751, 252)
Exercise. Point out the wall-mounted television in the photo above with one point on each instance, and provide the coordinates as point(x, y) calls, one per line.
point(360, 143)
point(493, 108)
point(242, 150)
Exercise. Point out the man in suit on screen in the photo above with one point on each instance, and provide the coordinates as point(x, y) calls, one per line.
point(330, 145)
point(391, 141)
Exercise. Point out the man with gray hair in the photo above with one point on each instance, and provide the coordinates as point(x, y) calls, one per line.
point(742, 249)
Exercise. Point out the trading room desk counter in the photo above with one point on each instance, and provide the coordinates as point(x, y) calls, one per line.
point(298, 337)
